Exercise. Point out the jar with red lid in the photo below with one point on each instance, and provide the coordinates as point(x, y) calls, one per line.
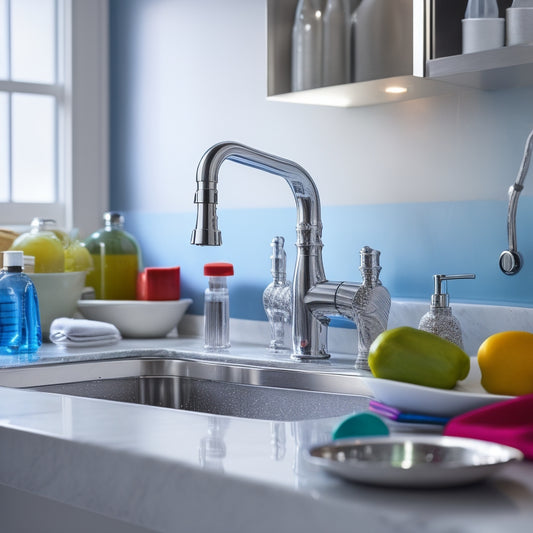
point(216, 306)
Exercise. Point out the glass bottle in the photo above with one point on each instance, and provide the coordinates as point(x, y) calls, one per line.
point(116, 259)
point(307, 46)
point(336, 49)
point(216, 306)
point(20, 324)
point(277, 299)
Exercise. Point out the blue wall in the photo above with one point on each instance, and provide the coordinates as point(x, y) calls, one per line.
point(423, 181)
point(416, 241)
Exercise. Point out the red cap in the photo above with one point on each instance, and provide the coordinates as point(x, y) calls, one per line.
point(218, 269)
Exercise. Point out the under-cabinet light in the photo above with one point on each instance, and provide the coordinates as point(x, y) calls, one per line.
point(396, 90)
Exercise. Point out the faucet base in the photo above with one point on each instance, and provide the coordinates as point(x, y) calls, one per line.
point(308, 357)
point(361, 363)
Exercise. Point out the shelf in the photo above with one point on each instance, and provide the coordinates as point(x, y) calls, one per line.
point(501, 68)
point(365, 93)
point(435, 26)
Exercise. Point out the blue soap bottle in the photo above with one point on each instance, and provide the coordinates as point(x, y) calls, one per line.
point(20, 324)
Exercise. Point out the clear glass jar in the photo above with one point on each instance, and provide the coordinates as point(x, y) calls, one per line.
point(216, 306)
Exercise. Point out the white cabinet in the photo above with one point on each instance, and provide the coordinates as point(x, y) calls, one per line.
point(412, 46)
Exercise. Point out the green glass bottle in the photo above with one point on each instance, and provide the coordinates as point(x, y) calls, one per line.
point(117, 260)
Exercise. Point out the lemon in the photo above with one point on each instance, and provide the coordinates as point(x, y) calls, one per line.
point(77, 258)
point(45, 247)
point(506, 363)
point(62, 236)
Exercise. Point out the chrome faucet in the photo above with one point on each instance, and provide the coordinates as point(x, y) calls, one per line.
point(314, 298)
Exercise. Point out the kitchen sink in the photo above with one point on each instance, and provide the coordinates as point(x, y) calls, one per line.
point(248, 391)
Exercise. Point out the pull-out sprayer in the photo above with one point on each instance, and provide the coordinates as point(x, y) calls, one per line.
point(510, 260)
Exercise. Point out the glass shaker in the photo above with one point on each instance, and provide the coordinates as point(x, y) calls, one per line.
point(216, 306)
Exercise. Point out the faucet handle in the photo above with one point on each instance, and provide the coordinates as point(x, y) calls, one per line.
point(369, 257)
point(370, 267)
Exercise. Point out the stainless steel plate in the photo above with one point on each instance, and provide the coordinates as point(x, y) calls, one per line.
point(413, 460)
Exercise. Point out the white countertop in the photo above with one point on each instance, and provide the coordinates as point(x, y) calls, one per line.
point(171, 470)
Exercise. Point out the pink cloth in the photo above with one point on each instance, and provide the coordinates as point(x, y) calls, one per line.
point(508, 422)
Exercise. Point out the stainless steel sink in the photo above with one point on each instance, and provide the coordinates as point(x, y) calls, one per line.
point(205, 386)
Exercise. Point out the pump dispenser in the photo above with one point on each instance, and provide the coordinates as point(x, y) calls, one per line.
point(439, 320)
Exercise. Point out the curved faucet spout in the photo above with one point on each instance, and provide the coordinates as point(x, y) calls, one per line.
point(302, 186)
point(309, 334)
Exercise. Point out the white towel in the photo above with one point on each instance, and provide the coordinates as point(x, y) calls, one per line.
point(77, 332)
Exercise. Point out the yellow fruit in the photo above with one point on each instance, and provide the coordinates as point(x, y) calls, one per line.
point(506, 363)
point(62, 236)
point(77, 258)
point(45, 247)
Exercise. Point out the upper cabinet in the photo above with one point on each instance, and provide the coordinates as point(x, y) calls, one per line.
point(399, 50)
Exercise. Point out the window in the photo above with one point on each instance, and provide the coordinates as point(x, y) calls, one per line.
point(53, 112)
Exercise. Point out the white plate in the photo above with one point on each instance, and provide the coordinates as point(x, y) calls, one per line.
point(413, 460)
point(467, 395)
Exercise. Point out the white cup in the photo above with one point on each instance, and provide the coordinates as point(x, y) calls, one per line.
point(483, 34)
point(519, 25)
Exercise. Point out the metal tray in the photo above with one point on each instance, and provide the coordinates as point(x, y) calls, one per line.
point(413, 460)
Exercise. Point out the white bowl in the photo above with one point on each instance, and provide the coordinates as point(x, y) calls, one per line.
point(137, 318)
point(58, 295)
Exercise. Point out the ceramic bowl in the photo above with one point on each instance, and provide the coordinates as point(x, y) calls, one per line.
point(58, 295)
point(137, 318)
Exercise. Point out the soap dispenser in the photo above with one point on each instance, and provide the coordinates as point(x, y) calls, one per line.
point(439, 319)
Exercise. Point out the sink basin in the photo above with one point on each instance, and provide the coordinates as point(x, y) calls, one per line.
point(205, 386)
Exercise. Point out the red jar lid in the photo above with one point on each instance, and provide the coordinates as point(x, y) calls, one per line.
point(218, 269)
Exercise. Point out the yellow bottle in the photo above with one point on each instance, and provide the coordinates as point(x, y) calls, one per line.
point(116, 259)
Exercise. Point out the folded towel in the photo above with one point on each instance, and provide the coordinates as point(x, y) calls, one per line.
point(76, 332)
point(508, 422)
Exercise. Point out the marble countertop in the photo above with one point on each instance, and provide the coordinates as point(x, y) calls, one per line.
point(157, 468)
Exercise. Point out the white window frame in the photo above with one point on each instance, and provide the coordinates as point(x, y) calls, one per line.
point(83, 123)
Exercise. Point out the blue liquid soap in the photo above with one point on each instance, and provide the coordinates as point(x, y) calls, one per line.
point(20, 324)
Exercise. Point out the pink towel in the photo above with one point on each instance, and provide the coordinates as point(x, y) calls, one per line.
point(509, 422)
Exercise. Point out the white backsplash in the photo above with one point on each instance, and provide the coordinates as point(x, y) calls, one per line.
point(478, 322)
